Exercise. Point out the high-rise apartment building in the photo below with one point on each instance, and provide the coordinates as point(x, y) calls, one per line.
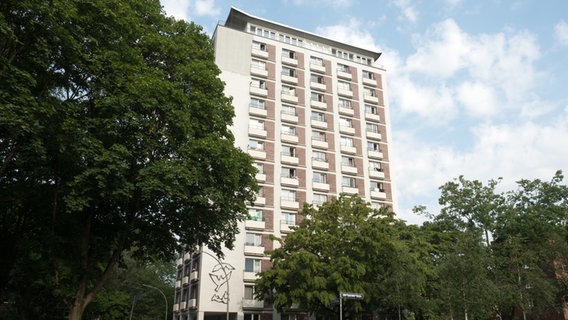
point(312, 113)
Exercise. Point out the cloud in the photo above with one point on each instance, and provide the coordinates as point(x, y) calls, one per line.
point(176, 8)
point(206, 8)
point(180, 9)
point(561, 32)
point(352, 33)
point(408, 10)
point(332, 3)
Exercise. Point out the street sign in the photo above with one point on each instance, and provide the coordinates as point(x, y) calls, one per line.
point(352, 296)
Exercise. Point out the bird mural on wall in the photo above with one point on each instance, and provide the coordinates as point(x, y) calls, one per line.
point(220, 275)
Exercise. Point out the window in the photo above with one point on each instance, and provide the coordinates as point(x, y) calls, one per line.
point(342, 68)
point(288, 151)
point(259, 167)
point(256, 124)
point(375, 166)
point(256, 145)
point(252, 265)
point(319, 199)
point(316, 61)
point(288, 53)
point(249, 293)
point(255, 214)
point(253, 239)
point(288, 195)
point(373, 146)
point(262, 32)
point(344, 122)
point(349, 182)
point(318, 116)
point(369, 92)
point(316, 78)
point(319, 177)
point(344, 103)
point(368, 75)
point(291, 130)
point(377, 186)
point(347, 161)
point(371, 109)
point(288, 72)
point(251, 316)
point(346, 142)
point(342, 85)
point(319, 136)
point(257, 103)
point(371, 127)
point(317, 97)
point(288, 110)
point(318, 155)
point(259, 46)
point(288, 173)
point(257, 64)
point(288, 218)
point(257, 83)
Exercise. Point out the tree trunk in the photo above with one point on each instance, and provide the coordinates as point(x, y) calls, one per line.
point(77, 309)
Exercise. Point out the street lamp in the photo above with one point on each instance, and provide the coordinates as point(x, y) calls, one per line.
point(347, 295)
point(226, 277)
point(163, 295)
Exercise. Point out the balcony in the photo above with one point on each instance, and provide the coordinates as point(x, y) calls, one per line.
point(374, 135)
point(258, 112)
point(344, 75)
point(254, 250)
point(370, 98)
point(289, 118)
point(349, 190)
point(289, 138)
point(192, 303)
point(348, 149)
point(194, 275)
point(285, 227)
point(289, 96)
point(253, 224)
point(178, 284)
point(369, 82)
point(319, 124)
point(319, 144)
point(375, 154)
point(372, 117)
point(348, 169)
point(376, 173)
point(176, 307)
point(289, 181)
point(257, 154)
point(263, 92)
point(347, 130)
point(289, 79)
point(180, 261)
point(318, 86)
point(290, 160)
point(317, 68)
point(260, 200)
point(253, 304)
point(185, 280)
point(318, 164)
point(289, 204)
point(183, 305)
point(345, 93)
point(186, 256)
point(320, 186)
point(250, 276)
point(260, 177)
point(376, 193)
point(346, 111)
point(260, 53)
point(257, 132)
point(259, 72)
point(318, 104)
point(290, 61)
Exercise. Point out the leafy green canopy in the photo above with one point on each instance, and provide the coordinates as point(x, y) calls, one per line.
point(113, 134)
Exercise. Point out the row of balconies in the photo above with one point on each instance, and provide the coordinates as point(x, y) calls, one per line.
point(261, 154)
point(260, 132)
point(184, 306)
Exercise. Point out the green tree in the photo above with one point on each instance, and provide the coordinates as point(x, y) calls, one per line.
point(113, 135)
point(342, 246)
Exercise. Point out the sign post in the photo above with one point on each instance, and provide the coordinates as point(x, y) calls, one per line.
point(348, 296)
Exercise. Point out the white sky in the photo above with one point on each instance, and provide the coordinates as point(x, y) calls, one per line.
point(476, 87)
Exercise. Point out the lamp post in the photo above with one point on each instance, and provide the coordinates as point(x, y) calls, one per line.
point(226, 277)
point(347, 295)
point(163, 295)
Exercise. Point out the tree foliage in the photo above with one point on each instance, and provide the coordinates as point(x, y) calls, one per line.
point(113, 135)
